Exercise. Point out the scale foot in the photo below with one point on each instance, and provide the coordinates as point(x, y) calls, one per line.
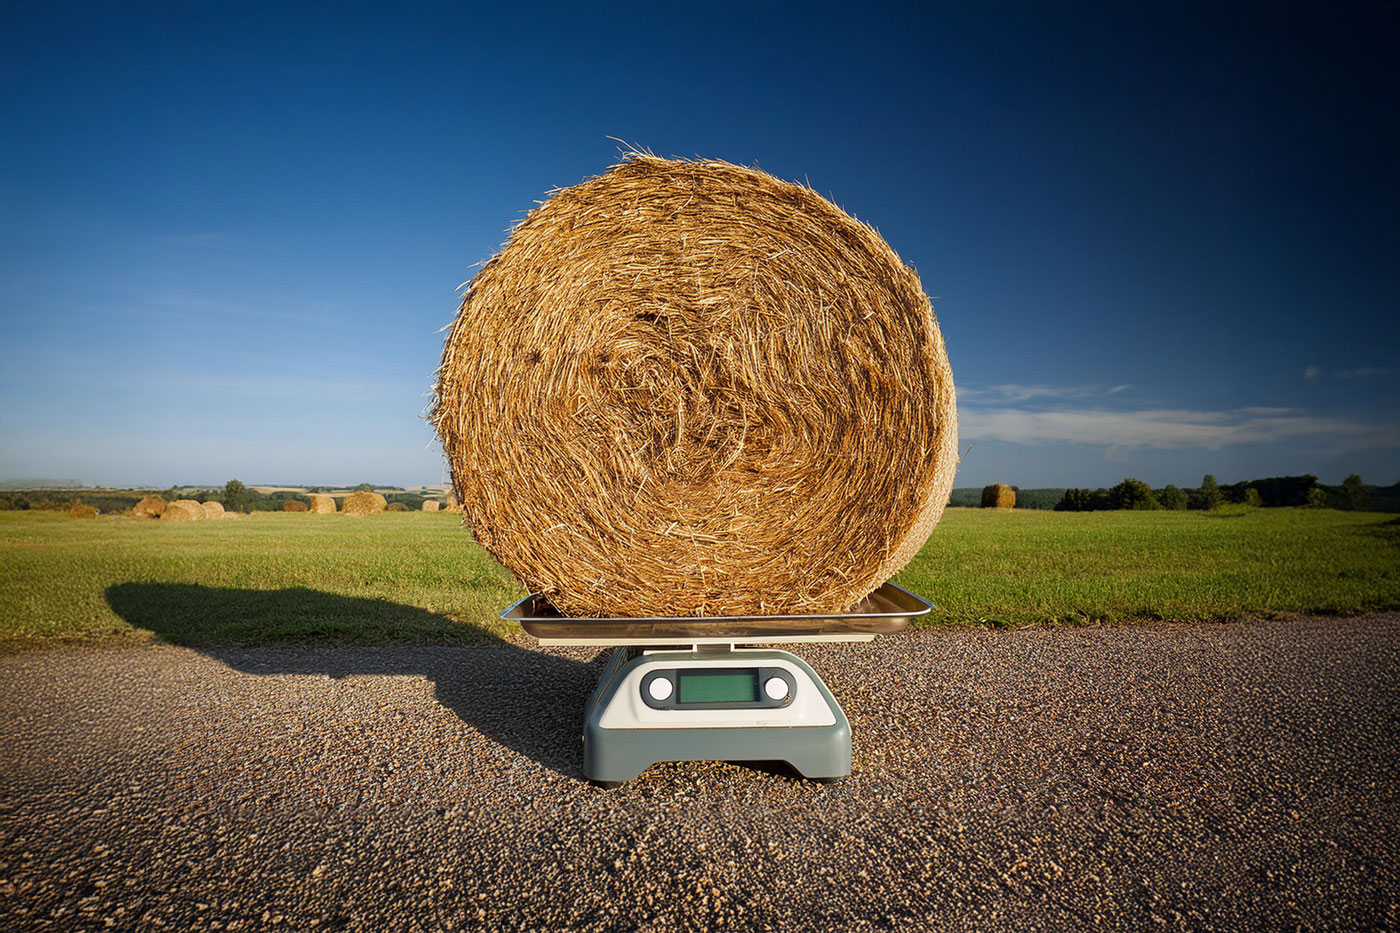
point(606, 785)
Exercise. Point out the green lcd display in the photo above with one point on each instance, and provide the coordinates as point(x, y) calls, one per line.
point(718, 686)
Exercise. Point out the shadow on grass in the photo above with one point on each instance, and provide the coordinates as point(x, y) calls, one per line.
point(1387, 530)
point(526, 700)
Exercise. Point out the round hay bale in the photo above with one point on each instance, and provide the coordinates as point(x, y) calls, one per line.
point(183, 510)
point(321, 504)
point(148, 507)
point(294, 505)
point(396, 507)
point(213, 509)
point(78, 510)
point(691, 388)
point(998, 496)
point(363, 503)
point(431, 505)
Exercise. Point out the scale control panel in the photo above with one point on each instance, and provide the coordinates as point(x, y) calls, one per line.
point(718, 688)
point(672, 690)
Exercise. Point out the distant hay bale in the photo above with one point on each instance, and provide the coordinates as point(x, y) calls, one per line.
point(690, 388)
point(396, 507)
point(998, 496)
point(78, 510)
point(294, 505)
point(213, 509)
point(183, 510)
point(148, 507)
point(431, 505)
point(363, 503)
point(321, 504)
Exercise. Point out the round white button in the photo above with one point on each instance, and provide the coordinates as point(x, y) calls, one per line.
point(660, 689)
point(776, 688)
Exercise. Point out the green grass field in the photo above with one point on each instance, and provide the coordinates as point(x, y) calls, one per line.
point(419, 578)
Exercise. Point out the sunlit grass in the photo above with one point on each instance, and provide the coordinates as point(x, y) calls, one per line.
point(419, 578)
point(1027, 567)
point(55, 573)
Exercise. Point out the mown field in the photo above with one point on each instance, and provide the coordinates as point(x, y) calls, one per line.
point(419, 578)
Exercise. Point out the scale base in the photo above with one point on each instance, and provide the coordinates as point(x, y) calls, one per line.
point(624, 733)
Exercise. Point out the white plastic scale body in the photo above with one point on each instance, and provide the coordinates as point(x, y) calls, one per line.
point(682, 689)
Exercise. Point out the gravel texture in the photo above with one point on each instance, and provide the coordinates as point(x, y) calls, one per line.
point(1234, 776)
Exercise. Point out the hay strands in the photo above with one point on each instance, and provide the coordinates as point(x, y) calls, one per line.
point(692, 389)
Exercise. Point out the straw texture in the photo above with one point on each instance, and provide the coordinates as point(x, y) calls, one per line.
point(321, 503)
point(148, 507)
point(213, 509)
point(183, 510)
point(363, 503)
point(431, 505)
point(998, 496)
point(690, 388)
point(294, 505)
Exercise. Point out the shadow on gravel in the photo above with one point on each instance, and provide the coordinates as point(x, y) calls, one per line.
point(526, 700)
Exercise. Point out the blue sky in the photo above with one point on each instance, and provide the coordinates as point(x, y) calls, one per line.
point(1162, 235)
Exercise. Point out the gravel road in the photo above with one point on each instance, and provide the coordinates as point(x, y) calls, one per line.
point(1230, 777)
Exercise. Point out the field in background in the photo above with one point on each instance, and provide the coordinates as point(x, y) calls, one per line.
point(269, 576)
point(419, 578)
point(1027, 567)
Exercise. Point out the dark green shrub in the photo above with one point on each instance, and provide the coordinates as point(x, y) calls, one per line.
point(1172, 498)
point(1074, 500)
point(1354, 493)
point(1208, 496)
point(235, 496)
point(1133, 494)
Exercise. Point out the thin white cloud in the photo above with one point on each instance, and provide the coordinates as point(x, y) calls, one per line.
point(1014, 392)
point(1171, 429)
point(1366, 372)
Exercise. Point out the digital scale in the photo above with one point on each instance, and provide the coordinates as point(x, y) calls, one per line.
point(688, 688)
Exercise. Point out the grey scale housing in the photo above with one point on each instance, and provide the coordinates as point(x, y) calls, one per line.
point(611, 756)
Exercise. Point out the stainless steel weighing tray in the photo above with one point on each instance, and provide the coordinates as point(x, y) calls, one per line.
point(889, 609)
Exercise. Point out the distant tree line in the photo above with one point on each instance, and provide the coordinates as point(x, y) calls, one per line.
point(237, 497)
point(57, 500)
point(234, 497)
point(1272, 492)
point(1129, 494)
